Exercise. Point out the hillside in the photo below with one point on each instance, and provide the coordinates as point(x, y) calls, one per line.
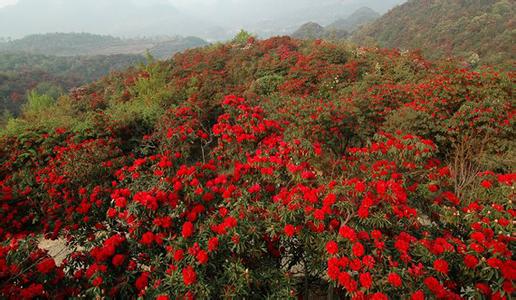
point(339, 29)
point(20, 73)
point(476, 30)
point(310, 30)
point(83, 44)
point(265, 169)
point(360, 17)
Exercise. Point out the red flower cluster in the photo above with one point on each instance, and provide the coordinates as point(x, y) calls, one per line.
point(326, 172)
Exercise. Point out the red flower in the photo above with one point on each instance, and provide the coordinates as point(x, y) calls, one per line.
point(433, 284)
point(360, 186)
point(366, 280)
point(187, 230)
point(213, 244)
point(470, 261)
point(97, 281)
point(33, 291)
point(433, 188)
point(486, 184)
point(483, 288)
point(290, 230)
point(348, 233)
point(202, 257)
point(163, 297)
point(494, 262)
point(178, 254)
point(358, 249)
point(319, 214)
point(508, 270)
point(118, 260)
point(120, 202)
point(189, 276)
point(142, 281)
point(394, 279)
point(147, 238)
point(440, 265)
point(379, 296)
point(418, 295)
point(308, 175)
point(332, 247)
point(46, 266)
point(376, 234)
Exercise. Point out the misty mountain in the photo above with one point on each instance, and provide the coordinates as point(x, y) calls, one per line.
point(115, 17)
point(359, 18)
point(208, 19)
point(338, 29)
point(310, 30)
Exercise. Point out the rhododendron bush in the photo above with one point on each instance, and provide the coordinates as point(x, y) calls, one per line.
point(345, 177)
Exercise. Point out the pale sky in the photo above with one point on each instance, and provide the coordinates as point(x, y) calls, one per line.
point(7, 2)
point(210, 19)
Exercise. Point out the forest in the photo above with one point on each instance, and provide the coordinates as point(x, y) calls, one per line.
point(21, 73)
point(479, 31)
point(52, 64)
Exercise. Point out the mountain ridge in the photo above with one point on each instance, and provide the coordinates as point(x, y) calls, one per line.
point(87, 44)
point(478, 31)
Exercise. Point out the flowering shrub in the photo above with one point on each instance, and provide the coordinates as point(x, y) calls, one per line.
point(280, 194)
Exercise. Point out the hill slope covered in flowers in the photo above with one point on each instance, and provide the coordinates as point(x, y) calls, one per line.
point(268, 169)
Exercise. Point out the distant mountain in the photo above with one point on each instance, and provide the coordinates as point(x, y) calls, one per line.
point(478, 30)
point(310, 30)
point(171, 46)
point(22, 72)
point(86, 44)
point(339, 29)
point(359, 18)
point(211, 20)
point(114, 17)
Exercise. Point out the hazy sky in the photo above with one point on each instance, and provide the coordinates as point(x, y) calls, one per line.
point(210, 19)
point(7, 2)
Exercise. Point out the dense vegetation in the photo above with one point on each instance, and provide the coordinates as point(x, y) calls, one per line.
point(480, 31)
point(20, 73)
point(348, 172)
point(87, 44)
point(56, 62)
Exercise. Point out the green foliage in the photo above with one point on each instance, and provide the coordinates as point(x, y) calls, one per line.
point(268, 84)
point(37, 102)
point(309, 31)
point(87, 44)
point(444, 28)
point(242, 37)
point(51, 75)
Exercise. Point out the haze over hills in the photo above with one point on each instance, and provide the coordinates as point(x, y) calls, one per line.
point(360, 17)
point(71, 44)
point(479, 31)
point(208, 19)
point(340, 28)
